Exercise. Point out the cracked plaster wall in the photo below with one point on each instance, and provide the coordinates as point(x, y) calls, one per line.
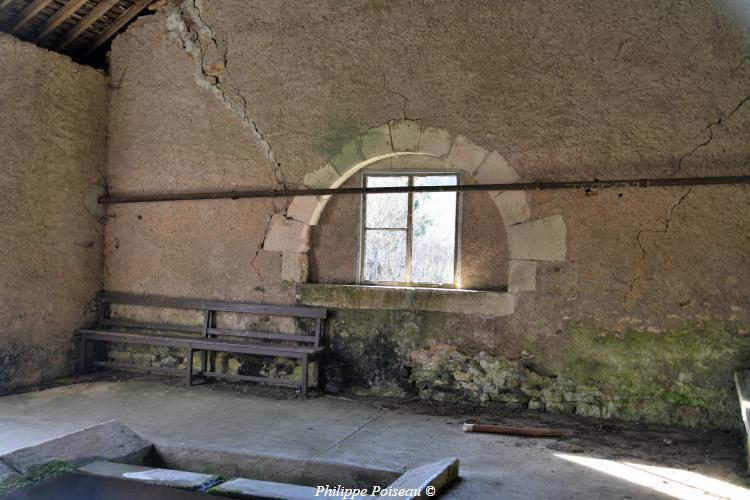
point(53, 150)
point(236, 94)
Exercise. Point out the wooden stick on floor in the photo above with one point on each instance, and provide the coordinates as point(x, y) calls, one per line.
point(515, 431)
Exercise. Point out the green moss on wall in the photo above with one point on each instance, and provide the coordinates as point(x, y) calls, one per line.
point(683, 376)
point(679, 377)
point(338, 131)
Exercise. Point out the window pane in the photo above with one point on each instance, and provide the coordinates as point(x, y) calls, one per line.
point(389, 209)
point(385, 255)
point(434, 232)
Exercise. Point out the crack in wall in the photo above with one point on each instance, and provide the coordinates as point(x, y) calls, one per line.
point(620, 46)
point(709, 127)
point(667, 222)
point(393, 92)
point(198, 38)
point(262, 287)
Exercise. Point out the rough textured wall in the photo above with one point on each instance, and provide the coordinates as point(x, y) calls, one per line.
point(236, 94)
point(53, 121)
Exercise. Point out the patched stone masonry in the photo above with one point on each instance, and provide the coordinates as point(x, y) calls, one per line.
point(442, 373)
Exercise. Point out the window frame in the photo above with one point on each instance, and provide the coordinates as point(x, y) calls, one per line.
point(361, 239)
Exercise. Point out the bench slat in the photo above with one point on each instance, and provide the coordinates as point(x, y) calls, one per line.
point(131, 366)
point(249, 378)
point(190, 303)
point(129, 337)
point(151, 326)
point(261, 335)
point(199, 343)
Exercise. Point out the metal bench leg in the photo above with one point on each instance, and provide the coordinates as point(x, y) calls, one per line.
point(189, 367)
point(304, 376)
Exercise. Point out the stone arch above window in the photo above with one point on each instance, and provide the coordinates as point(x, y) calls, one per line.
point(529, 240)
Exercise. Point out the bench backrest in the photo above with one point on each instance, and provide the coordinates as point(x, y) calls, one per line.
point(210, 307)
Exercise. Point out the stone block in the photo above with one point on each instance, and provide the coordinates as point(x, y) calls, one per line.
point(108, 441)
point(552, 396)
point(435, 141)
point(437, 474)
point(376, 142)
point(251, 488)
point(405, 135)
point(294, 267)
point(556, 407)
point(349, 156)
point(120, 356)
point(169, 362)
point(495, 170)
point(408, 299)
point(588, 410)
point(512, 206)
point(464, 302)
point(144, 359)
point(286, 235)
point(521, 276)
point(535, 404)
point(306, 209)
point(541, 239)
point(162, 477)
point(466, 155)
point(323, 178)
point(233, 365)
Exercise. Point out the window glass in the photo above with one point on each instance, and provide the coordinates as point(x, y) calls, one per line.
point(434, 232)
point(387, 210)
point(385, 255)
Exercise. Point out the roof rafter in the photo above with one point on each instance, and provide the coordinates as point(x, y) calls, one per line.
point(113, 28)
point(58, 18)
point(25, 15)
point(84, 24)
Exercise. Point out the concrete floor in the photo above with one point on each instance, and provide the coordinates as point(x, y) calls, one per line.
point(376, 435)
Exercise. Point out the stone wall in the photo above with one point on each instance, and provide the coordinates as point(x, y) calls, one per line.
point(53, 148)
point(257, 95)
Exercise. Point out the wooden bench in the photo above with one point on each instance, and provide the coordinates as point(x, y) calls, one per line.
point(204, 338)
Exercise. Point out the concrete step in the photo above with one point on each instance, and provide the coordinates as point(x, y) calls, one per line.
point(250, 488)
point(110, 441)
point(435, 475)
point(742, 382)
point(152, 475)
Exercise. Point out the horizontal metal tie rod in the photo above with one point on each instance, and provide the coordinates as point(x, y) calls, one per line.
point(516, 186)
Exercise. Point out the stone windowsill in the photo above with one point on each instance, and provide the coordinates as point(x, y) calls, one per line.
point(405, 298)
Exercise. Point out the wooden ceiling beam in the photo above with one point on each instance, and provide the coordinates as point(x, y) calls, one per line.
point(84, 24)
point(23, 17)
point(113, 28)
point(57, 19)
point(4, 3)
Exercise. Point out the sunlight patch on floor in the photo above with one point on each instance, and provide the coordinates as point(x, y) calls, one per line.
point(673, 482)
